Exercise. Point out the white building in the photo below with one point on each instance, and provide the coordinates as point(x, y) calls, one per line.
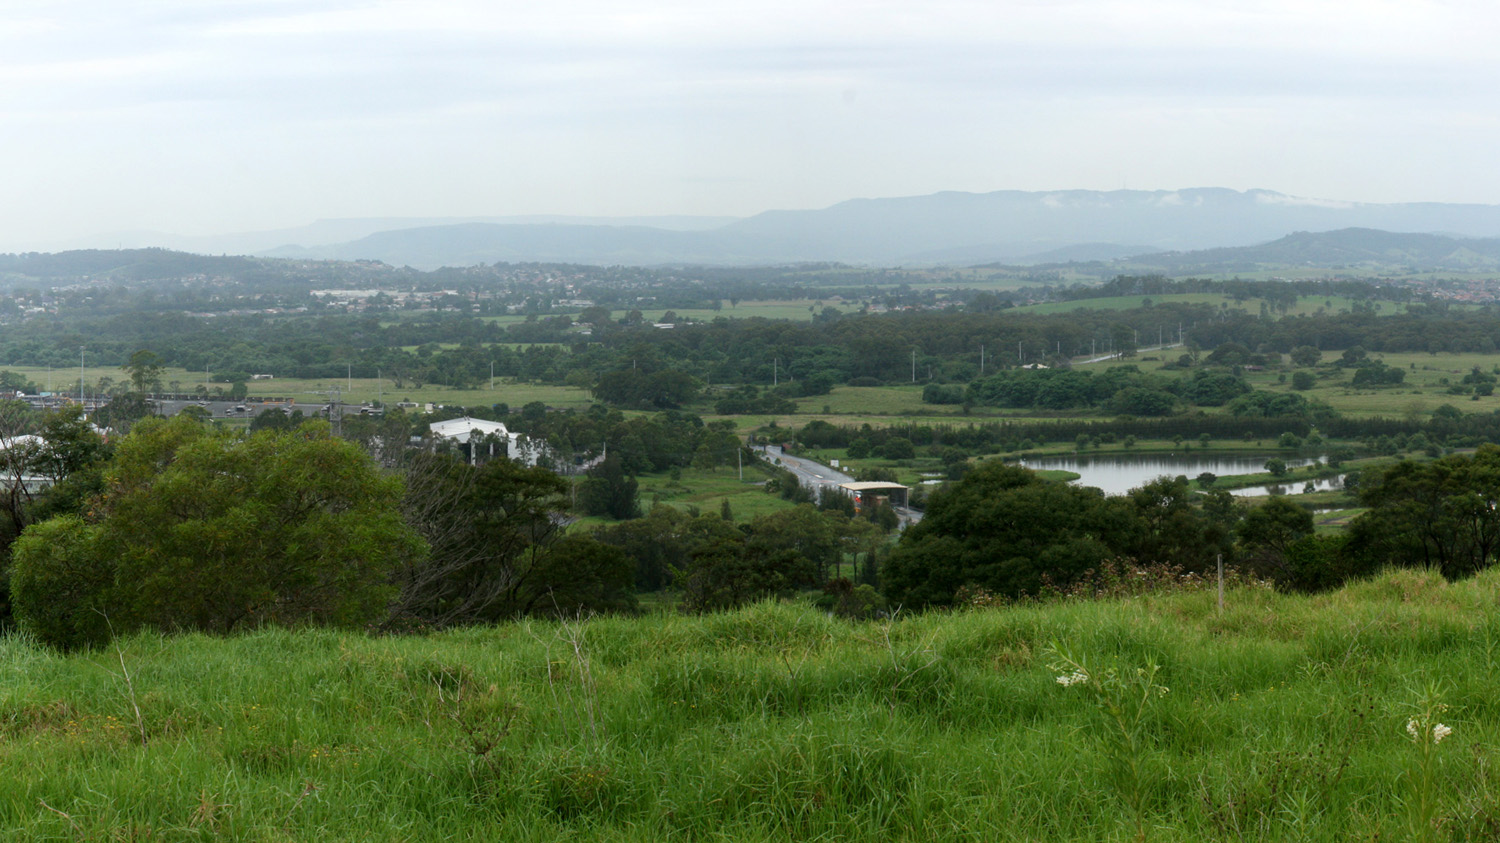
point(462, 431)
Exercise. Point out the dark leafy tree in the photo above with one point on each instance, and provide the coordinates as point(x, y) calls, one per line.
point(1007, 530)
point(496, 535)
point(1268, 532)
point(201, 529)
point(608, 491)
point(1169, 529)
point(1439, 515)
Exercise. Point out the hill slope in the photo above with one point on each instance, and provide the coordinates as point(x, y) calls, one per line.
point(1350, 249)
point(1285, 716)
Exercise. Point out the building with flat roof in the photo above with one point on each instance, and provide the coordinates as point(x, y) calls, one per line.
point(868, 494)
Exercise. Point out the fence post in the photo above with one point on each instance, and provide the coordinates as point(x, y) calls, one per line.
point(1221, 583)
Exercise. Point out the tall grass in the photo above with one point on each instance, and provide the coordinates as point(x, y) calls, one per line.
point(1285, 718)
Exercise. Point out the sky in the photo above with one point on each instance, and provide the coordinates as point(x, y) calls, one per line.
point(216, 116)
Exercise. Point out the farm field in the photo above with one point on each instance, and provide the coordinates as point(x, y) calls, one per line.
point(706, 489)
point(355, 390)
point(1367, 713)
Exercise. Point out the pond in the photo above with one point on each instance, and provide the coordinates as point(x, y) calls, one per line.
point(1293, 487)
point(1117, 474)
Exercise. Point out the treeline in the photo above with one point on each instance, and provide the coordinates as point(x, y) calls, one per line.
point(1281, 294)
point(1447, 427)
point(629, 363)
point(182, 525)
point(1433, 327)
point(839, 348)
point(1003, 531)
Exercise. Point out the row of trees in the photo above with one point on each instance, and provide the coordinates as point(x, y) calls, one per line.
point(183, 525)
point(1007, 531)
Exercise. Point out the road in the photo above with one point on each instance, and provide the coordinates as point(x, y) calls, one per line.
point(1103, 357)
point(247, 409)
point(818, 477)
point(814, 475)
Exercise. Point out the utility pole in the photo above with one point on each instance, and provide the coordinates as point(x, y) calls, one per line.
point(914, 365)
point(981, 358)
point(492, 375)
point(1020, 358)
point(775, 371)
point(350, 376)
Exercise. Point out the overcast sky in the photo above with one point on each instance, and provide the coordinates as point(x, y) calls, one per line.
point(212, 116)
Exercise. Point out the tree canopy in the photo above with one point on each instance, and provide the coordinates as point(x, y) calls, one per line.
point(202, 529)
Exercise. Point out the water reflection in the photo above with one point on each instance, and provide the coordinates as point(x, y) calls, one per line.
point(1294, 487)
point(1117, 474)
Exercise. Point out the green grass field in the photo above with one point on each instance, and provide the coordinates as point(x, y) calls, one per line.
point(1283, 718)
point(706, 490)
point(355, 390)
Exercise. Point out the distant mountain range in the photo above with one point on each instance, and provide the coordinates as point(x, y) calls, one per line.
point(1352, 251)
point(337, 231)
point(942, 228)
point(1347, 249)
point(1011, 227)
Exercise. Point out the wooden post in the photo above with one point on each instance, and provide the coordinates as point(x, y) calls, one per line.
point(1221, 583)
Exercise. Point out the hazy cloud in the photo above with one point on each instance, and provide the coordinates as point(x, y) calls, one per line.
point(211, 116)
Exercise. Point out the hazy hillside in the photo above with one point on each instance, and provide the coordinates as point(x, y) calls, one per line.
point(1350, 248)
point(126, 264)
point(471, 243)
point(301, 241)
point(954, 228)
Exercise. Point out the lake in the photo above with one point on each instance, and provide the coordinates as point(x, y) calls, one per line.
point(1117, 474)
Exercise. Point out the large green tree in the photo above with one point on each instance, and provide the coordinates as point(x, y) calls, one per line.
point(498, 549)
point(1441, 515)
point(202, 529)
point(1007, 530)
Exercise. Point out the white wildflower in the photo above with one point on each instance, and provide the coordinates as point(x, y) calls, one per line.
point(1414, 729)
point(1077, 677)
point(1439, 732)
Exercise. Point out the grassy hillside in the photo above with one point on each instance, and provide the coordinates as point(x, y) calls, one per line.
point(1285, 718)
